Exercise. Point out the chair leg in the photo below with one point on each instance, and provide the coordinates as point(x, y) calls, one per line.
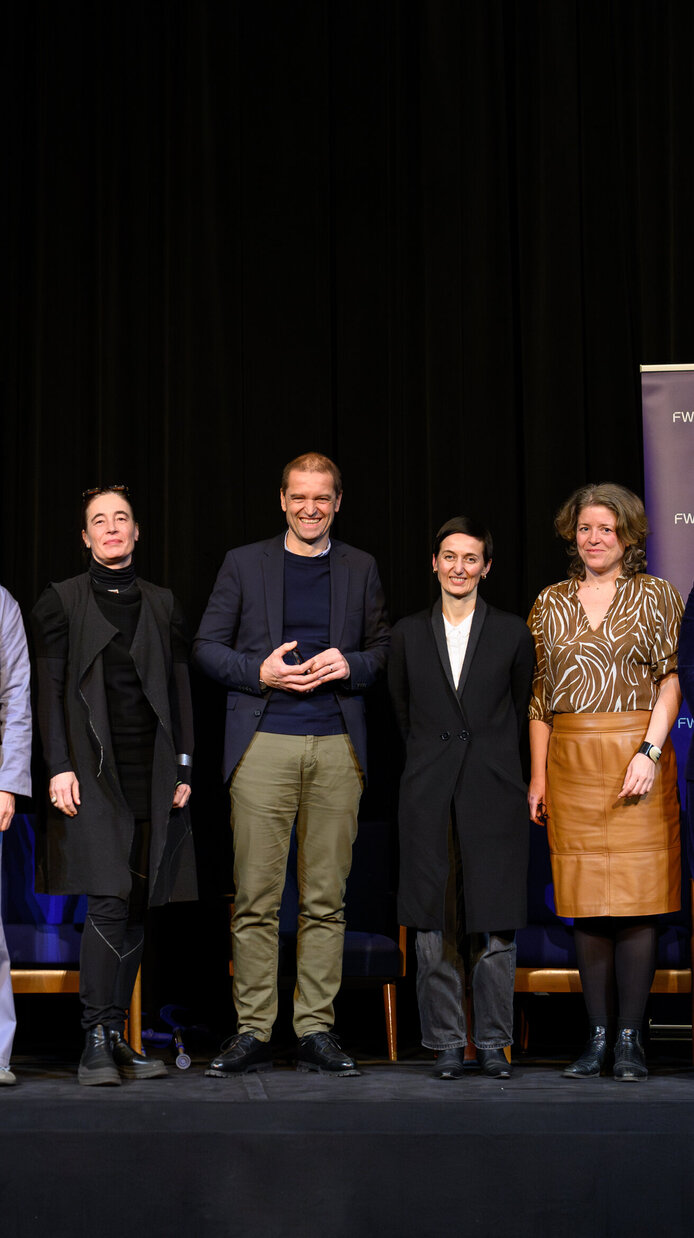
point(133, 1030)
point(524, 1030)
point(389, 1003)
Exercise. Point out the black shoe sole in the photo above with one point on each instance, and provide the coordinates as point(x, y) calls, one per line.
point(572, 1074)
point(150, 1071)
point(98, 1078)
point(243, 1070)
point(305, 1068)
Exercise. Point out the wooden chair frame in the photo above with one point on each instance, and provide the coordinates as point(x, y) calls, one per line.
point(67, 980)
point(567, 980)
point(389, 989)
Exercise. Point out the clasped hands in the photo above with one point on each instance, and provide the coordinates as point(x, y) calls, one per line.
point(327, 665)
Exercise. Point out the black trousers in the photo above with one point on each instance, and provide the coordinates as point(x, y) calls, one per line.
point(113, 941)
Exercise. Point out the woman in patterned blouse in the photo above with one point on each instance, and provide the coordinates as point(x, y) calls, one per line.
point(603, 771)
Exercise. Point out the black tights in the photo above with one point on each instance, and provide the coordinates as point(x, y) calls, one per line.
point(616, 959)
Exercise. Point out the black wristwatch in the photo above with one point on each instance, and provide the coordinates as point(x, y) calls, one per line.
point(650, 750)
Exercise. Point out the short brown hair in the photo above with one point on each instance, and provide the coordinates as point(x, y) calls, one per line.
point(312, 462)
point(632, 524)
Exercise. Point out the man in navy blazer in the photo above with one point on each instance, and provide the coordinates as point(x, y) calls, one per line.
point(296, 630)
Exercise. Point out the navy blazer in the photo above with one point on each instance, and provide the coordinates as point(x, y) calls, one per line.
point(244, 620)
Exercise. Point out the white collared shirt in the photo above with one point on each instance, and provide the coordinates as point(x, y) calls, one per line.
point(457, 637)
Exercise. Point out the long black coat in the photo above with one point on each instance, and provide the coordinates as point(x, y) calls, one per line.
point(89, 853)
point(462, 752)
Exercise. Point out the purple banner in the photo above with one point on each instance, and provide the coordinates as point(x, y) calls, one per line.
point(668, 447)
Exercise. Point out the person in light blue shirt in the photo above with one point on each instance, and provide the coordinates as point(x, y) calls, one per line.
point(15, 779)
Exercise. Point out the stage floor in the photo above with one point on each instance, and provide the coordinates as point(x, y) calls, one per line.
point(535, 1083)
point(394, 1152)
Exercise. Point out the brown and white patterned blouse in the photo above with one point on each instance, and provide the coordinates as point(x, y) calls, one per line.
point(613, 668)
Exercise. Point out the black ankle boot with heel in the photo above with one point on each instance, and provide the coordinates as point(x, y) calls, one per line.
point(592, 1061)
point(629, 1057)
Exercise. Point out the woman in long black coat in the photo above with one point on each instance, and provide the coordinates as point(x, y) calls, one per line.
point(459, 679)
point(116, 724)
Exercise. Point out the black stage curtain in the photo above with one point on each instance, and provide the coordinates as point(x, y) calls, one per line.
point(432, 239)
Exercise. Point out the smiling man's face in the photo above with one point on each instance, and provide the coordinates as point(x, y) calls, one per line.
point(310, 504)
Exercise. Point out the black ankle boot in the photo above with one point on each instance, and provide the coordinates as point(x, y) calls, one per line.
point(132, 1065)
point(629, 1057)
point(96, 1063)
point(589, 1065)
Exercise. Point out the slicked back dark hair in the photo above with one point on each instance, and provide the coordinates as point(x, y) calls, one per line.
point(88, 497)
point(471, 528)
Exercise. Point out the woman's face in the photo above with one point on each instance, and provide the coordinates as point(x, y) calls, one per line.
point(111, 531)
point(597, 541)
point(460, 564)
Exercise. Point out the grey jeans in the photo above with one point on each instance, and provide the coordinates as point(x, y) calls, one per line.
point(442, 956)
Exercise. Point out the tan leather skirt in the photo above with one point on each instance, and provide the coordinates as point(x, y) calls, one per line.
point(610, 857)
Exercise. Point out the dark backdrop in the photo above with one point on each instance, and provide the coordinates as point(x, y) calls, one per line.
point(434, 240)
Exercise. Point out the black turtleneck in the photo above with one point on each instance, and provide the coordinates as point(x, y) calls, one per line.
point(116, 579)
point(133, 721)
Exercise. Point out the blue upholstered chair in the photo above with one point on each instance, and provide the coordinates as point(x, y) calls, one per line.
point(44, 931)
point(375, 946)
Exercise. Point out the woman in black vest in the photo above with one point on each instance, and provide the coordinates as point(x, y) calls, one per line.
point(116, 723)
